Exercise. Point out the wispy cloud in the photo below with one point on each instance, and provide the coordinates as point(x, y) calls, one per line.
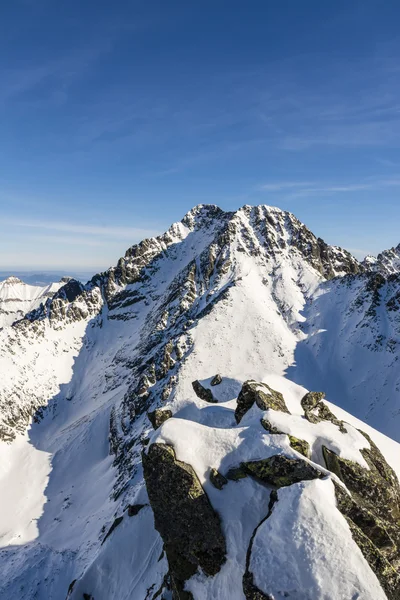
point(102, 231)
point(279, 186)
point(301, 188)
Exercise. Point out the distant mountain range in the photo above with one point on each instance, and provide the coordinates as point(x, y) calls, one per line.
point(46, 277)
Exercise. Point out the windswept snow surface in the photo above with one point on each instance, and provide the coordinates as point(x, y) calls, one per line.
point(322, 561)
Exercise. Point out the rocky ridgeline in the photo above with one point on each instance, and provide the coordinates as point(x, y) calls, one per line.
point(163, 309)
point(203, 273)
point(261, 231)
point(193, 530)
point(386, 263)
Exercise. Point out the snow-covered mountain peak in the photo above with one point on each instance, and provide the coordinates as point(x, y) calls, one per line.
point(252, 295)
point(386, 263)
point(12, 280)
point(18, 298)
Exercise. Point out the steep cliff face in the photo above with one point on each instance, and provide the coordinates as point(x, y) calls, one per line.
point(245, 294)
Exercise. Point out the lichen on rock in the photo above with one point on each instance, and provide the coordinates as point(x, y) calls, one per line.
point(261, 394)
point(158, 416)
point(217, 479)
point(190, 527)
point(280, 471)
point(315, 410)
point(300, 446)
point(372, 511)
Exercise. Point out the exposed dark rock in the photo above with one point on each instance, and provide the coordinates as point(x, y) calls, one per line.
point(300, 446)
point(316, 411)
point(217, 479)
point(190, 528)
point(281, 471)
point(372, 512)
point(134, 509)
point(387, 575)
point(158, 417)
point(71, 588)
point(370, 525)
point(236, 473)
point(270, 428)
point(311, 399)
point(216, 380)
point(202, 392)
point(250, 590)
point(297, 444)
point(261, 394)
point(117, 522)
point(375, 489)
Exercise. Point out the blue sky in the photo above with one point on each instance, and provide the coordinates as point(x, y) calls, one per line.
point(117, 117)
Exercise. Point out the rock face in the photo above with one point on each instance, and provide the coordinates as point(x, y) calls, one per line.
point(217, 479)
point(372, 510)
point(202, 392)
point(158, 417)
point(261, 394)
point(184, 517)
point(315, 410)
point(281, 471)
point(192, 530)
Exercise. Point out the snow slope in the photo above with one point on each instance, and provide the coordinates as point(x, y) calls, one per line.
point(18, 298)
point(246, 294)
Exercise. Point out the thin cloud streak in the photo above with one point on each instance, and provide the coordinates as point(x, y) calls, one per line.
point(131, 233)
point(305, 188)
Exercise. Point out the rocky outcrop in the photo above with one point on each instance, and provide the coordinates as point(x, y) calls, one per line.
point(158, 416)
point(387, 262)
point(216, 380)
point(281, 471)
point(372, 511)
point(260, 394)
point(202, 392)
point(217, 479)
point(315, 410)
point(190, 527)
point(301, 446)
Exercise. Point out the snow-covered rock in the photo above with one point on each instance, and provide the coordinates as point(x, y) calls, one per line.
point(387, 262)
point(250, 295)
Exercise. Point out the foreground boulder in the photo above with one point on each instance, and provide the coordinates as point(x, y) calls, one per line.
point(261, 394)
point(188, 524)
point(202, 392)
point(372, 511)
point(315, 410)
point(216, 380)
point(281, 471)
point(158, 417)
